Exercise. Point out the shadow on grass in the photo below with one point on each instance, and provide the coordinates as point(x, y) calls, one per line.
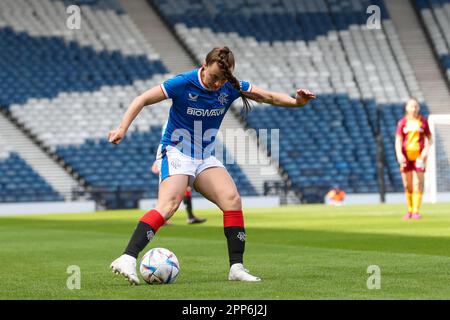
point(387, 243)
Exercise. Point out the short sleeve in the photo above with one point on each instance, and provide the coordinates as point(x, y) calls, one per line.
point(245, 86)
point(426, 128)
point(173, 87)
point(399, 131)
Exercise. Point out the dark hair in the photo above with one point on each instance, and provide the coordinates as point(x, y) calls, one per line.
point(225, 60)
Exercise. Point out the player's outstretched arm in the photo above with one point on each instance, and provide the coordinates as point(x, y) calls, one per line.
point(151, 96)
point(302, 97)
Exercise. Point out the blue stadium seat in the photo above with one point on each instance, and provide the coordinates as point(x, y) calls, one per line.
point(20, 183)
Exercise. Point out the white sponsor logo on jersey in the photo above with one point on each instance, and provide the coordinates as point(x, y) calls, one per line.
point(412, 126)
point(205, 112)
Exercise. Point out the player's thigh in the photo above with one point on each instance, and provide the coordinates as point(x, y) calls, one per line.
point(407, 180)
point(170, 194)
point(216, 185)
point(417, 180)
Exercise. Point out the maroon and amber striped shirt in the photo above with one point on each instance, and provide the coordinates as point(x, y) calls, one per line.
point(413, 133)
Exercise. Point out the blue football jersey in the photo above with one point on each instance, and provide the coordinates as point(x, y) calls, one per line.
point(196, 112)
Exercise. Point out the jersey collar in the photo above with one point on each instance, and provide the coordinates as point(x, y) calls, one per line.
point(200, 79)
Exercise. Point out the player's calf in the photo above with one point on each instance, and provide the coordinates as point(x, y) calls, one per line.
point(145, 231)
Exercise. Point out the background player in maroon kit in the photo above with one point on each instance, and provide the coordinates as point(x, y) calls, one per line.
point(412, 143)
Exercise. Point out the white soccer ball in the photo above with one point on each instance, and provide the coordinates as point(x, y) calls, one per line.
point(159, 266)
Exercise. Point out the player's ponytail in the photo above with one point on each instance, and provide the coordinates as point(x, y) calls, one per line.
point(225, 59)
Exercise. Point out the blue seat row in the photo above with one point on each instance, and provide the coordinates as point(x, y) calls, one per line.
point(62, 66)
point(20, 183)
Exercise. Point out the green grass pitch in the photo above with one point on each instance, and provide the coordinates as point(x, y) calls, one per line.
point(300, 252)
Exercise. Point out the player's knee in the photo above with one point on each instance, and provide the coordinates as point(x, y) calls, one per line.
point(168, 208)
point(409, 188)
point(418, 187)
point(173, 204)
point(233, 201)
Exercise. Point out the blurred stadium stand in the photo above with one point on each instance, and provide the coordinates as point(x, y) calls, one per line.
point(436, 17)
point(19, 182)
point(67, 88)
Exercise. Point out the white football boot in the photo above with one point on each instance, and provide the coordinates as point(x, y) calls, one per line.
point(239, 273)
point(126, 266)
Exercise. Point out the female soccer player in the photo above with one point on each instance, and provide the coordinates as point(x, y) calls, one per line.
point(412, 143)
point(200, 99)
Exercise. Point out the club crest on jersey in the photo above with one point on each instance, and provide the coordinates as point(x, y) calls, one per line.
point(175, 163)
point(192, 97)
point(223, 98)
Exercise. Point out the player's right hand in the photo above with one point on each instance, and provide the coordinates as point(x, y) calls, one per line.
point(401, 160)
point(116, 136)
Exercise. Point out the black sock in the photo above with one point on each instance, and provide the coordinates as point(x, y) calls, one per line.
point(187, 200)
point(140, 238)
point(236, 244)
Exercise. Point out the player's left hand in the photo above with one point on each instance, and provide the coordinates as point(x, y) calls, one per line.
point(420, 163)
point(303, 96)
point(155, 168)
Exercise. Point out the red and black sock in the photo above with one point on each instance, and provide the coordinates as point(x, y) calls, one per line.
point(233, 225)
point(144, 232)
point(187, 200)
